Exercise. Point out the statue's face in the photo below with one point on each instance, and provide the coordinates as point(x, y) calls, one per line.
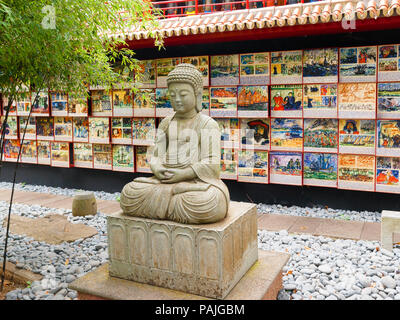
point(183, 98)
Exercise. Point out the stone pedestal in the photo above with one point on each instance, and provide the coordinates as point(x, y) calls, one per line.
point(205, 260)
point(83, 204)
point(390, 224)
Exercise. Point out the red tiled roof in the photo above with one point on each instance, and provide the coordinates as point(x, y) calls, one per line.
point(270, 17)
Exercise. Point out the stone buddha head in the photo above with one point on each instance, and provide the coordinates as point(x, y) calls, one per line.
point(185, 87)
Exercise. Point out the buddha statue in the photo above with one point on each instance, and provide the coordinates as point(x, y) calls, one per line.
point(186, 185)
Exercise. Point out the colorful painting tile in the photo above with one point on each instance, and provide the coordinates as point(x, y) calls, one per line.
point(223, 102)
point(286, 134)
point(357, 64)
point(387, 174)
point(83, 155)
point(254, 68)
point(165, 66)
point(286, 101)
point(320, 169)
point(388, 132)
point(45, 128)
point(389, 100)
point(253, 166)
point(229, 164)
point(321, 135)
point(44, 152)
point(123, 158)
point(286, 67)
point(255, 134)
point(357, 100)
point(388, 62)
point(122, 103)
point(356, 172)
point(99, 130)
point(357, 136)
point(60, 154)
point(286, 167)
point(59, 104)
point(252, 101)
point(101, 103)
point(224, 70)
point(121, 130)
point(102, 156)
point(320, 100)
point(144, 103)
point(144, 131)
point(320, 65)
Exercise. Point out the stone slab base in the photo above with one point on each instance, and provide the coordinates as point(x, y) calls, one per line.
point(261, 282)
point(206, 259)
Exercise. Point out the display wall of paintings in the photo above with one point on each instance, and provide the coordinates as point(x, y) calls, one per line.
point(286, 101)
point(11, 150)
point(286, 134)
point(29, 152)
point(202, 64)
point(165, 66)
point(142, 163)
point(229, 164)
point(42, 105)
point(388, 63)
point(63, 129)
point(286, 67)
point(163, 104)
point(357, 100)
point(229, 132)
point(286, 167)
point(83, 155)
point(252, 101)
point(59, 104)
point(147, 75)
point(320, 169)
point(29, 128)
point(320, 65)
point(99, 130)
point(321, 135)
point(223, 102)
point(224, 70)
point(11, 127)
point(388, 136)
point(123, 158)
point(122, 103)
point(44, 152)
point(349, 99)
point(357, 136)
point(60, 154)
point(388, 100)
point(102, 156)
point(320, 100)
point(77, 107)
point(121, 130)
point(358, 64)
point(255, 134)
point(387, 174)
point(45, 128)
point(254, 68)
point(356, 172)
point(144, 103)
point(253, 166)
point(101, 103)
point(80, 129)
point(144, 131)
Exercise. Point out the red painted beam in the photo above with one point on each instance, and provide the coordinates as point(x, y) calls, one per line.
point(272, 33)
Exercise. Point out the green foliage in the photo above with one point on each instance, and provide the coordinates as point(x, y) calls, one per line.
point(67, 45)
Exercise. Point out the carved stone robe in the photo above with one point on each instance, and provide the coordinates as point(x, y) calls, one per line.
point(205, 199)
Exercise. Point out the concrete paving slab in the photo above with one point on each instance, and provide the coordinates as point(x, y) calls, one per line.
point(371, 231)
point(340, 229)
point(276, 222)
point(306, 225)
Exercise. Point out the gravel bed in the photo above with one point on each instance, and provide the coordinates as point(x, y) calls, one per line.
point(322, 268)
point(59, 264)
point(320, 212)
point(57, 190)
